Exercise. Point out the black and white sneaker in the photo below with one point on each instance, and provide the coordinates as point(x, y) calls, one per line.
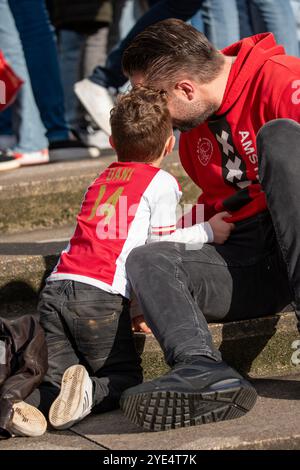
point(189, 395)
point(8, 161)
point(67, 150)
point(75, 399)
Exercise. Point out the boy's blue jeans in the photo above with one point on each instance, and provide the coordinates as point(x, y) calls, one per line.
point(84, 324)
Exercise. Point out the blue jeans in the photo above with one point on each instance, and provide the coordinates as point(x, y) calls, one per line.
point(219, 21)
point(23, 114)
point(70, 43)
point(276, 16)
point(111, 75)
point(37, 36)
point(78, 55)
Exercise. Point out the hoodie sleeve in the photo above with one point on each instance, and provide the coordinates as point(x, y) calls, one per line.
point(282, 88)
point(288, 104)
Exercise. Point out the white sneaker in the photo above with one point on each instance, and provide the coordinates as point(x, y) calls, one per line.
point(75, 399)
point(68, 150)
point(27, 421)
point(32, 158)
point(97, 101)
point(96, 138)
point(8, 161)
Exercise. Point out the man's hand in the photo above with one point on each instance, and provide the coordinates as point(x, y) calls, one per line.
point(139, 325)
point(221, 229)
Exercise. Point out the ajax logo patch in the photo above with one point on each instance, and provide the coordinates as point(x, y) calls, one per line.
point(204, 150)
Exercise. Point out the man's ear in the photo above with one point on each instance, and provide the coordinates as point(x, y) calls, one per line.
point(186, 89)
point(111, 142)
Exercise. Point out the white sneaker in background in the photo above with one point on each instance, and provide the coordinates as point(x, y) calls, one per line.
point(95, 138)
point(68, 150)
point(27, 421)
point(97, 101)
point(32, 158)
point(75, 399)
point(8, 161)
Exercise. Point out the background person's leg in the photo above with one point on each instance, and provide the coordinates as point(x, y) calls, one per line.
point(279, 169)
point(69, 45)
point(112, 75)
point(27, 124)
point(276, 16)
point(37, 37)
point(221, 22)
point(94, 92)
point(245, 21)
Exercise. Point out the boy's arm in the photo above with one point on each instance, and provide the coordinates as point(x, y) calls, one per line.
point(138, 323)
point(199, 233)
point(163, 218)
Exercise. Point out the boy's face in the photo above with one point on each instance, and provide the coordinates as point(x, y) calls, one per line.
point(188, 103)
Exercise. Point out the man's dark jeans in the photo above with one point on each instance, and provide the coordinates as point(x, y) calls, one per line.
point(84, 324)
point(255, 273)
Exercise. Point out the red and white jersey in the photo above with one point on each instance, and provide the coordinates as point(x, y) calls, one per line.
point(124, 206)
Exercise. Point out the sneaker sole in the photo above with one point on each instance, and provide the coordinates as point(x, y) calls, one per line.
point(27, 421)
point(67, 155)
point(9, 165)
point(65, 409)
point(30, 161)
point(161, 411)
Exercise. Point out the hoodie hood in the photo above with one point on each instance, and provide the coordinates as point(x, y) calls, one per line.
point(251, 54)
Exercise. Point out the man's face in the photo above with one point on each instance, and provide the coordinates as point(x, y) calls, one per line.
point(188, 104)
point(187, 115)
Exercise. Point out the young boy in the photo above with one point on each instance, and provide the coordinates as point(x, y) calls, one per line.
point(84, 307)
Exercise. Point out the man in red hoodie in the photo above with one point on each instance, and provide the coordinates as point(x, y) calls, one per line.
point(240, 143)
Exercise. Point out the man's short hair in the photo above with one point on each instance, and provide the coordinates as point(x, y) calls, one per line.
point(169, 48)
point(140, 124)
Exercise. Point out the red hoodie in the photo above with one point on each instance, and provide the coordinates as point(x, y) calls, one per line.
point(220, 155)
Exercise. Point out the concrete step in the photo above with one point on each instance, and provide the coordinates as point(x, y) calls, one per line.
point(50, 195)
point(272, 424)
point(256, 347)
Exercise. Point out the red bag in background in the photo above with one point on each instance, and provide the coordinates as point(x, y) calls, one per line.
point(10, 83)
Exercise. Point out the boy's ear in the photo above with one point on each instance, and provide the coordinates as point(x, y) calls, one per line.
point(170, 143)
point(111, 142)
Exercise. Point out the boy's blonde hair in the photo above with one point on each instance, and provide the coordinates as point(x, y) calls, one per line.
point(140, 125)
